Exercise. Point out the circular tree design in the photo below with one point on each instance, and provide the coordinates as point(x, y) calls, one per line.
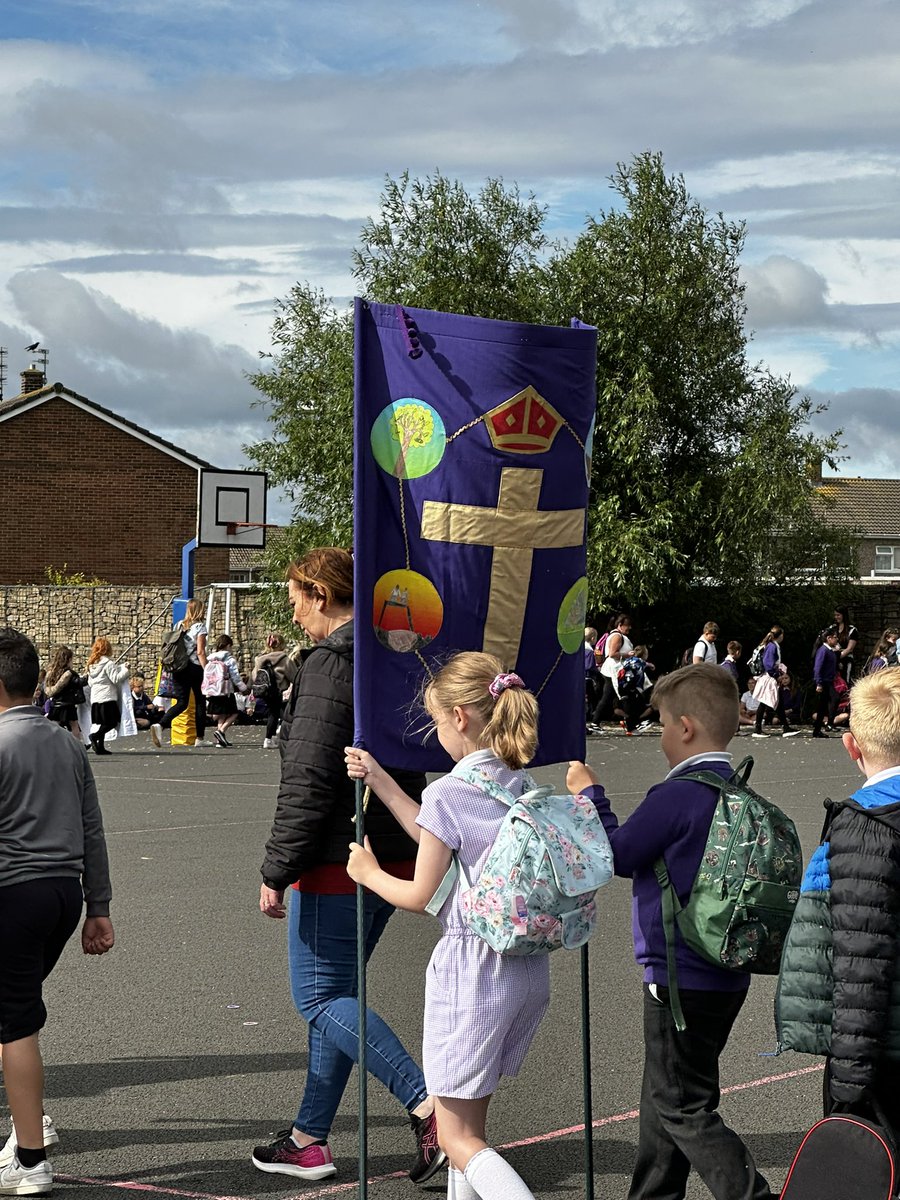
point(408, 438)
point(412, 425)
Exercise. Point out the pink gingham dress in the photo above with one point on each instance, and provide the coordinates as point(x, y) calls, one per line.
point(482, 1009)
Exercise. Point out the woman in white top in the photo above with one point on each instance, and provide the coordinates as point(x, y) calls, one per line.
point(618, 646)
point(188, 681)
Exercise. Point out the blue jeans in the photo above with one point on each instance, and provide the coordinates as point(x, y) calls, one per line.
point(322, 961)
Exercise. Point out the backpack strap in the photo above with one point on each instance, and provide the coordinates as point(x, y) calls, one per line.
point(671, 906)
point(496, 791)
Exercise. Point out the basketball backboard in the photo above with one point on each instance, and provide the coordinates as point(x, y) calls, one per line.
point(231, 509)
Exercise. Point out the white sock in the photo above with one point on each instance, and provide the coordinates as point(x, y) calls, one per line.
point(494, 1179)
point(458, 1187)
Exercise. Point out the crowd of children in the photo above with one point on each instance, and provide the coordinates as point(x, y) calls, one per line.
point(619, 678)
point(99, 699)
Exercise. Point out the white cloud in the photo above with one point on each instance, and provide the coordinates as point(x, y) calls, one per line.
point(783, 292)
point(801, 364)
point(134, 365)
point(799, 167)
point(578, 25)
point(870, 419)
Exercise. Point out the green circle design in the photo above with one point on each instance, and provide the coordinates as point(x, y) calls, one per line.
point(408, 438)
point(572, 613)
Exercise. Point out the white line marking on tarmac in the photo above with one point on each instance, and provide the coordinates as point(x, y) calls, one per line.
point(335, 1189)
point(203, 782)
point(183, 828)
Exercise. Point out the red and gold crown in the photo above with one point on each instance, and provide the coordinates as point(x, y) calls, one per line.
point(524, 424)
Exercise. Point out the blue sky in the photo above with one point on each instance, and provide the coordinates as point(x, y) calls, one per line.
point(169, 169)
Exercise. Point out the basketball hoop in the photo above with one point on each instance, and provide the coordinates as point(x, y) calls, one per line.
point(231, 527)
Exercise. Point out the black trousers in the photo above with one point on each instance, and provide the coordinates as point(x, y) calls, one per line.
point(765, 710)
point(607, 701)
point(107, 714)
point(274, 704)
point(185, 682)
point(826, 705)
point(680, 1128)
point(634, 707)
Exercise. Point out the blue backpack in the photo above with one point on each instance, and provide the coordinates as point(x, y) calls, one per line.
point(631, 676)
point(536, 889)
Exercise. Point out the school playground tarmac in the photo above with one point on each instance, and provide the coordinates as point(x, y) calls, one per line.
point(168, 1059)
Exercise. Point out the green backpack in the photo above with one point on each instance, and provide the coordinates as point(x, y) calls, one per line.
point(746, 889)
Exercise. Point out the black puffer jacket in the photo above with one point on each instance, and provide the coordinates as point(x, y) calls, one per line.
point(865, 893)
point(314, 817)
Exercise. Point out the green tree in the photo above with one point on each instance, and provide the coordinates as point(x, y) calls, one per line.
point(700, 457)
point(434, 245)
point(308, 394)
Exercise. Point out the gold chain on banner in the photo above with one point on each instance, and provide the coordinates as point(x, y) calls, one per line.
point(471, 425)
point(549, 673)
point(403, 523)
point(428, 670)
point(573, 433)
point(367, 795)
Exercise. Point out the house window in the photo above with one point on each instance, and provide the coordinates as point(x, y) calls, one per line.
point(239, 577)
point(887, 560)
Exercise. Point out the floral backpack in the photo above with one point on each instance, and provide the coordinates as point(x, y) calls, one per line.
point(536, 889)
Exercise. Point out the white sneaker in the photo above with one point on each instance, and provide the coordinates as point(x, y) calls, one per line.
point(791, 733)
point(156, 735)
point(269, 743)
point(16, 1180)
point(759, 735)
point(8, 1153)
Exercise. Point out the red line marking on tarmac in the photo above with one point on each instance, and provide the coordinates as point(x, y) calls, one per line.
point(132, 1186)
point(635, 1113)
point(337, 1188)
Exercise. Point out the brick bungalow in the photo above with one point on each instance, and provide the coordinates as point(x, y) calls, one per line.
point(88, 491)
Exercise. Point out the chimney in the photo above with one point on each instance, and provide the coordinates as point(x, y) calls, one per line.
point(33, 379)
point(814, 471)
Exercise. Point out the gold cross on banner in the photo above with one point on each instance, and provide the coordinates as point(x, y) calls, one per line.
point(515, 529)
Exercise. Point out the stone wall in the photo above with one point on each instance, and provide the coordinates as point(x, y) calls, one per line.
point(74, 616)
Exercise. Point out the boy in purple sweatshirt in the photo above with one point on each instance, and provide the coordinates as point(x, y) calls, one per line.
point(824, 670)
point(680, 1126)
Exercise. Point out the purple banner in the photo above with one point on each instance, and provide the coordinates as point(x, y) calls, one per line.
point(472, 445)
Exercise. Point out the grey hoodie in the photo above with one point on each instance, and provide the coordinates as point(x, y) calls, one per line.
point(50, 822)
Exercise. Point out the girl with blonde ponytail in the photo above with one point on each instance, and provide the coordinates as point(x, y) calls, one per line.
point(482, 1009)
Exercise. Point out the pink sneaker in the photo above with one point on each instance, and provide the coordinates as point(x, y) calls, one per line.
point(284, 1157)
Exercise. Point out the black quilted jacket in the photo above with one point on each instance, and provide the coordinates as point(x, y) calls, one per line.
point(314, 815)
point(865, 905)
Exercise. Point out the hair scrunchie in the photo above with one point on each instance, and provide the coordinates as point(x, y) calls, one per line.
point(501, 682)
